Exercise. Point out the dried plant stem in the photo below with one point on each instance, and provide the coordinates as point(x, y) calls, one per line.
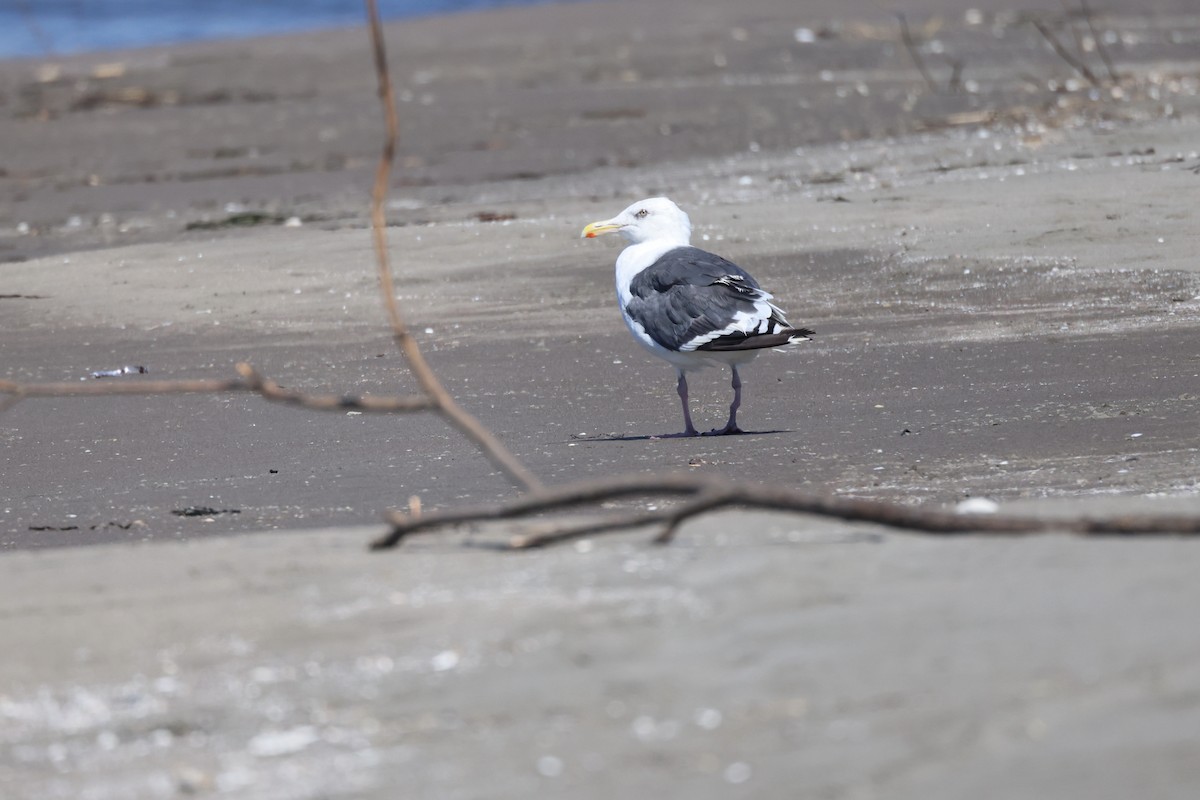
point(426, 378)
point(703, 494)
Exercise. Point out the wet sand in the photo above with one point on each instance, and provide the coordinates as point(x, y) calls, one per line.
point(1004, 282)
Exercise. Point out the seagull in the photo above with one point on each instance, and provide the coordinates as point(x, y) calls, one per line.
point(687, 306)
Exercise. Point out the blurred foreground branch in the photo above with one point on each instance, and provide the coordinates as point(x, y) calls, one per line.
point(250, 381)
point(703, 494)
point(443, 403)
point(434, 396)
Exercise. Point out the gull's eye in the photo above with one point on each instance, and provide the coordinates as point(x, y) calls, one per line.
point(642, 214)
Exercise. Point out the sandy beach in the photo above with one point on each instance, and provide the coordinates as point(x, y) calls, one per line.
point(1000, 259)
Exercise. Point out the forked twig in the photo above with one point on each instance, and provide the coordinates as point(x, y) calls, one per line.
point(703, 494)
point(428, 380)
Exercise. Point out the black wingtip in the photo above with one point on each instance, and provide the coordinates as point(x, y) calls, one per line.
point(757, 341)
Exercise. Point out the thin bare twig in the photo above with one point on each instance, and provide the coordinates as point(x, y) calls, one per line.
point(250, 381)
point(1100, 47)
point(1069, 21)
point(435, 397)
point(428, 380)
point(911, 45)
point(697, 494)
point(703, 494)
point(1063, 53)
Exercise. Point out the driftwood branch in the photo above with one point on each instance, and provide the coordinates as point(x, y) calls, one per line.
point(703, 494)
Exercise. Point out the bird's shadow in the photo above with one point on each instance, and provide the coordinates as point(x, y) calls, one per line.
point(608, 437)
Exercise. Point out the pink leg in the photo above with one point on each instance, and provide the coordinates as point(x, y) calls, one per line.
point(688, 429)
point(731, 426)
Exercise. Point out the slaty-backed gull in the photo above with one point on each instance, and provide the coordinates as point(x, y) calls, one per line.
point(688, 306)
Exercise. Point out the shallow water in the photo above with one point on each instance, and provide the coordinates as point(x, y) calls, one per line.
point(68, 26)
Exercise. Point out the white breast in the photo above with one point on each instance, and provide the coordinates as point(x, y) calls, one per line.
point(634, 259)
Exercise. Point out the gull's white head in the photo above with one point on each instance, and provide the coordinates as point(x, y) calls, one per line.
point(653, 219)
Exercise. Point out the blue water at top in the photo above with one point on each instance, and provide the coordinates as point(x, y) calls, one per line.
point(57, 27)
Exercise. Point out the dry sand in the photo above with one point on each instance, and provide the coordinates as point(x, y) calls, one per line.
point(1004, 280)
